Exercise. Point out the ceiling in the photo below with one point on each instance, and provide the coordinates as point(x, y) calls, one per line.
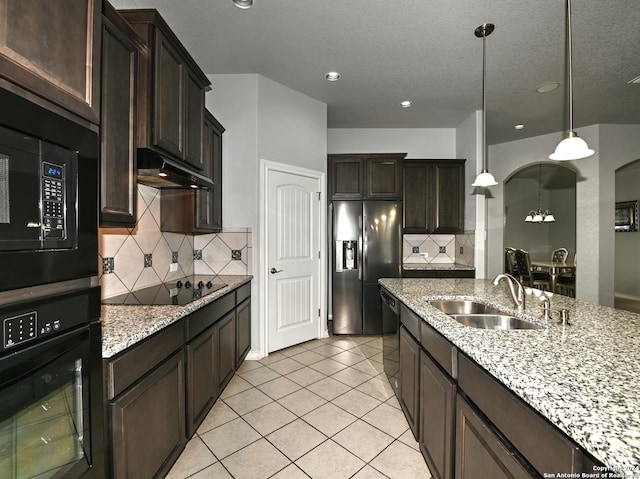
point(425, 51)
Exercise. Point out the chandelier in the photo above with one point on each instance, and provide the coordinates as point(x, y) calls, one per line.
point(539, 216)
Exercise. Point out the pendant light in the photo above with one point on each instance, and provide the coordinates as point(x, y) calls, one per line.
point(484, 178)
point(244, 4)
point(572, 147)
point(540, 216)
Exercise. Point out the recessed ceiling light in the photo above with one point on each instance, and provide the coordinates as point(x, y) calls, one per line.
point(332, 76)
point(635, 80)
point(519, 127)
point(406, 104)
point(244, 4)
point(548, 87)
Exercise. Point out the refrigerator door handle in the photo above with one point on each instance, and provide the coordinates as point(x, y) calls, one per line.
point(360, 255)
point(365, 239)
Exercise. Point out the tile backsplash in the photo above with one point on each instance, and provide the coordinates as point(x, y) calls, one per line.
point(134, 258)
point(438, 249)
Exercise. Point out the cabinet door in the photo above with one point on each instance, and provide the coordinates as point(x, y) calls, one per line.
point(409, 378)
point(347, 178)
point(480, 452)
point(148, 423)
point(243, 331)
point(449, 198)
point(194, 121)
point(168, 101)
point(201, 378)
point(384, 178)
point(226, 349)
point(437, 418)
point(117, 128)
point(53, 50)
point(418, 194)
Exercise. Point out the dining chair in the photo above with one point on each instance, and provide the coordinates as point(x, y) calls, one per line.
point(528, 275)
point(560, 255)
point(510, 261)
point(566, 283)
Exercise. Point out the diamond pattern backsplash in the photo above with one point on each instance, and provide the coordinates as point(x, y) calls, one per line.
point(438, 249)
point(124, 252)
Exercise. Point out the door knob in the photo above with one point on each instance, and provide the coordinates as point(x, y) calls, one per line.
point(274, 271)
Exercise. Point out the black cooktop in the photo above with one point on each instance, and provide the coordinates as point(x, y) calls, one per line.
point(178, 292)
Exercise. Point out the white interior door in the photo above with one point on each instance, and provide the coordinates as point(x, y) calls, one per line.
point(293, 235)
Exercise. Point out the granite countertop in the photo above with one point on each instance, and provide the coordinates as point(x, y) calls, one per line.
point(125, 325)
point(437, 266)
point(584, 378)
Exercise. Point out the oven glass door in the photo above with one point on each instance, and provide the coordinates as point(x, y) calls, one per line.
point(44, 418)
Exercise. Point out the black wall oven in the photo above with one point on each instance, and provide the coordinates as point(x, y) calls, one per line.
point(51, 401)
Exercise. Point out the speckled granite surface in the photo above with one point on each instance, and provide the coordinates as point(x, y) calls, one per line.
point(437, 266)
point(125, 325)
point(584, 378)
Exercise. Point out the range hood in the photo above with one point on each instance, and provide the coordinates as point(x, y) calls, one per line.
point(159, 171)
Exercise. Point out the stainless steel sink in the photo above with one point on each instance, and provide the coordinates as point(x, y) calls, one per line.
point(493, 321)
point(461, 306)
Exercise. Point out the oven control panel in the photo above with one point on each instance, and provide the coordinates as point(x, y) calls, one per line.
point(21, 326)
point(53, 201)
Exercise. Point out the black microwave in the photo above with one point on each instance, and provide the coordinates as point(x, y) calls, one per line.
point(48, 196)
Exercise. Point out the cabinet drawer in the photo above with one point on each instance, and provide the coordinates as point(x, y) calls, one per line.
point(544, 446)
point(124, 370)
point(243, 292)
point(204, 317)
point(440, 349)
point(410, 320)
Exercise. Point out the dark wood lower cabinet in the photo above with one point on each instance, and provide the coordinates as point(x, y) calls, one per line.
point(243, 331)
point(410, 378)
point(437, 418)
point(480, 452)
point(159, 391)
point(202, 380)
point(147, 423)
point(226, 336)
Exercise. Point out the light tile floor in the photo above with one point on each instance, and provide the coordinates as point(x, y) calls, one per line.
point(321, 409)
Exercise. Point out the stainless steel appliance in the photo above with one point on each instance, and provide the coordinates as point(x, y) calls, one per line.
point(391, 338)
point(48, 196)
point(366, 246)
point(178, 292)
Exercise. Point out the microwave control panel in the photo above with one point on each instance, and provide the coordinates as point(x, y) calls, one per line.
point(53, 201)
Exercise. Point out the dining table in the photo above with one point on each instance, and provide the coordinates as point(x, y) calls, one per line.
point(554, 268)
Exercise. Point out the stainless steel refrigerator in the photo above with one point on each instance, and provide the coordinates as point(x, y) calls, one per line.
point(366, 246)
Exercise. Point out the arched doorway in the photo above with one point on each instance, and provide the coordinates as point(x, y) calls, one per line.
point(546, 186)
point(627, 243)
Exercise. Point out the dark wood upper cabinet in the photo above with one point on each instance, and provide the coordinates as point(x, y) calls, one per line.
point(52, 50)
point(366, 176)
point(199, 211)
point(433, 196)
point(120, 49)
point(170, 93)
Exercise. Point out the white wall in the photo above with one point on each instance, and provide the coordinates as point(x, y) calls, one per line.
point(263, 120)
point(615, 146)
point(416, 142)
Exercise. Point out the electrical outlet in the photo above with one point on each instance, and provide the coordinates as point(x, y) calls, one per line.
point(442, 249)
point(415, 249)
point(461, 249)
point(173, 267)
point(236, 254)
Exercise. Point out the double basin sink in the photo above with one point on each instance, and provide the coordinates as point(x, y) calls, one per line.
point(481, 316)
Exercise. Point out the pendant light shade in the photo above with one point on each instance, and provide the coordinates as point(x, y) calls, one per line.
point(572, 147)
point(484, 178)
point(244, 4)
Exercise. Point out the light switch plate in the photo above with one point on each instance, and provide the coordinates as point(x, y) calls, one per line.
point(173, 267)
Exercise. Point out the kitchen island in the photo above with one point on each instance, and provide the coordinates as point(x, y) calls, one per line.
point(582, 378)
